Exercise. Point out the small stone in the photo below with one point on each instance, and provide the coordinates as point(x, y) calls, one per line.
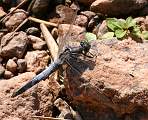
point(33, 31)
point(2, 13)
point(12, 22)
point(81, 20)
point(37, 43)
point(36, 60)
point(14, 47)
point(2, 70)
point(88, 14)
point(11, 66)
point(8, 74)
point(22, 65)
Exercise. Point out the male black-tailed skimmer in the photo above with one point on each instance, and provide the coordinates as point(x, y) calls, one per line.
point(68, 52)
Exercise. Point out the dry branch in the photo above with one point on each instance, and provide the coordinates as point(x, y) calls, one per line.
point(49, 118)
point(43, 21)
point(51, 43)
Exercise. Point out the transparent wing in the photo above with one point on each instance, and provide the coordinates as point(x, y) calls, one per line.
point(64, 35)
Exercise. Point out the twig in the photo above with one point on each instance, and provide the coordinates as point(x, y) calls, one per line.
point(21, 25)
point(18, 6)
point(51, 43)
point(49, 118)
point(43, 21)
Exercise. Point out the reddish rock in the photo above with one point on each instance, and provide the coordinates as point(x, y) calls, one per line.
point(2, 13)
point(11, 66)
point(117, 7)
point(15, 46)
point(81, 20)
point(37, 43)
point(11, 22)
point(21, 65)
point(36, 60)
point(112, 85)
point(88, 14)
point(8, 74)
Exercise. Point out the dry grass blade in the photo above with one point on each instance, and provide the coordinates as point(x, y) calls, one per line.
point(48, 118)
point(43, 21)
point(51, 43)
point(18, 6)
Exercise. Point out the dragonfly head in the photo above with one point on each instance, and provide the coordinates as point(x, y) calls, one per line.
point(86, 46)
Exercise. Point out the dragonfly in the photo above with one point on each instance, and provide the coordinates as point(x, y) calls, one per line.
point(65, 54)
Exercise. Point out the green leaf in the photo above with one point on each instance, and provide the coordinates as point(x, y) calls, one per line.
point(120, 33)
point(90, 36)
point(108, 35)
point(136, 31)
point(130, 22)
point(122, 23)
point(113, 24)
point(145, 34)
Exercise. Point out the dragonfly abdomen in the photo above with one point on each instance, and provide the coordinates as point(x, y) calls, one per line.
point(42, 76)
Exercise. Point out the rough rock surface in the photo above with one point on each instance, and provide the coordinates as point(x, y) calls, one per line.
point(36, 60)
point(15, 46)
point(8, 74)
point(117, 7)
point(35, 101)
point(37, 43)
point(115, 84)
point(21, 65)
point(11, 66)
point(11, 22)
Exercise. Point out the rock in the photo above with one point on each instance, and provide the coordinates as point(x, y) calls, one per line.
point(105, 88)
point(40, 8)
point(86, 2)
point(88, 14)
point(21, 65)
point(33, 31)
point(2, 70)
point(12, 22)
point(14, 47)
point(101, 29)
point(2, 13)
point(36, 60)
point(81, 20)
point(11, 66)
point(1, 59)
point(8, 74)
point(37, 43)
point(36, 101)
point(144, 11)
point(117, 7)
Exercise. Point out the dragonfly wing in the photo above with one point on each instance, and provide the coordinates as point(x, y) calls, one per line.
point(64, 35)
